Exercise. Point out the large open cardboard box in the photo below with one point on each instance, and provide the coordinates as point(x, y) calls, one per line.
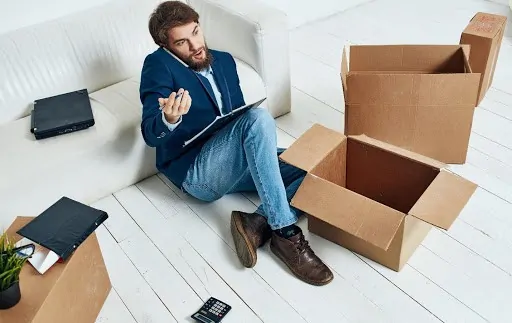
point(371, 197)
point(69, 292)
point(484, 34)
point(418, 97)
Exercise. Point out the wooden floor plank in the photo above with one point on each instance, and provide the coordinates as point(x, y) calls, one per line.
point(119, 226)
point(317, 79)
point(306, 112)
point(493, 126)
point(114, 310)
point(497, 102)
point(484, 180)
point(429, 294)
point(171, 254)
point(493, 149)
point(135, 292)
point(484, 228)
point(475, 292)
point(489, 164)
point(172, 289)
point(168, 284)
point(219, 256)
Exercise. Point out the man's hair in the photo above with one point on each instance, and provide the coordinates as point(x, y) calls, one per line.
point(167, 15)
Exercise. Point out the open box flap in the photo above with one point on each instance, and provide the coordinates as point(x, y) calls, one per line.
point(466, 49)
point(355, 214)
point(312, 147)
point(443, 200)
point(399, 151)
point(344, 71)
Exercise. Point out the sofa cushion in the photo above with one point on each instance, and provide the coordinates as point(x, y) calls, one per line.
point(89, 164)
point(251, 83)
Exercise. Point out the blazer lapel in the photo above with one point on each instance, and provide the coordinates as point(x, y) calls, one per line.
point(208, 87)
point(220, 79)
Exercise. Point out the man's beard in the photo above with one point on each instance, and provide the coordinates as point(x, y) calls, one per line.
point(198, 66)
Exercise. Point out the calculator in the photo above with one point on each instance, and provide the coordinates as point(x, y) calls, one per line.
point(213, 311)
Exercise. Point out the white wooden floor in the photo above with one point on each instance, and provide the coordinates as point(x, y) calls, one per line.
point(167, 253)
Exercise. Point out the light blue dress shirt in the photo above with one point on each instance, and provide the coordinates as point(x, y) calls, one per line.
point(208, 74)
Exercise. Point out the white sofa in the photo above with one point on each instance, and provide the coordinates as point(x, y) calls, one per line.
point(102, 49)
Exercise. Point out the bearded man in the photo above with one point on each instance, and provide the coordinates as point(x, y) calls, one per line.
point(184, 86)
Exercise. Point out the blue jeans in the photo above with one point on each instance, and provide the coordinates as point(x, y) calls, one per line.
point(243, 157)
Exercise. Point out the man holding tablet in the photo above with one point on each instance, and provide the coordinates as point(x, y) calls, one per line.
point(184, 87)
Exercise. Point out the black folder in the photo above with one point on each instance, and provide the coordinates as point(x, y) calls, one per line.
point(63, 226)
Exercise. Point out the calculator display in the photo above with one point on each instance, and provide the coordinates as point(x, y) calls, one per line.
point(203, 318)
point(212, 311)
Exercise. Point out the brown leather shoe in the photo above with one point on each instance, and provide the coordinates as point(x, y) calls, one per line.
point(296, 253)
point(250, 231)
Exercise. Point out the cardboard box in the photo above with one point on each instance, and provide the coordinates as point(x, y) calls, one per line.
point(74, 291)
point(484, 33)
point(418, 97)
point(372, 197)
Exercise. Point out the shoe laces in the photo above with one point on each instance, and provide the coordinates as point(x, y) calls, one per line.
point(303, 244)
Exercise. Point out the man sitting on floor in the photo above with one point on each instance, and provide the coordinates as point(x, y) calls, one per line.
point(184, 86)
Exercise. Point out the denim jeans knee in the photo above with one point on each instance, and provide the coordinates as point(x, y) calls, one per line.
point(260, 116)
point(201, 192)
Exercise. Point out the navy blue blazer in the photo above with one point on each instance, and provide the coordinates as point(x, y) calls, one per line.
point(162, 74)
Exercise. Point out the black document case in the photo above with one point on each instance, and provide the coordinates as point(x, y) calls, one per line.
point(63, 226)
point(61, 114)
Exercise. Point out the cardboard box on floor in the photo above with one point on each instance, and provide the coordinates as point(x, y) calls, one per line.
point(371, 197)
point(484, 34)
point(74, 291)
point(418, 97)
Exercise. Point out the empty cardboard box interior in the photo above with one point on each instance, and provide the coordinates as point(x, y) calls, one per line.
point(484, 34)
point(372, 197)
point(417, 97)
point(74, 291)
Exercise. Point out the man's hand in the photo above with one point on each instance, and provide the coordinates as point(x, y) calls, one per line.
point(176, 105)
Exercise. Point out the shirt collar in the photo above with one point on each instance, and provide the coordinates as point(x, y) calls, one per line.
point(206, 71)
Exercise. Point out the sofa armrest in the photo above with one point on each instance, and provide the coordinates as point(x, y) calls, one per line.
point(256, 34)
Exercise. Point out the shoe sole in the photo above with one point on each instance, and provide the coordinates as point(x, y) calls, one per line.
point(244, 251)
point(304, 279)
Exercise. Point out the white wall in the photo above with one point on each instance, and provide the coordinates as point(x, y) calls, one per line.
point(505, 2)
point(15, 14)
point(301, 12)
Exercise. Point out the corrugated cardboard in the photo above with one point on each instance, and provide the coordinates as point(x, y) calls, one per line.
point(418, 97)
point(74, 291)
point(371, 197)
point(484, 33)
